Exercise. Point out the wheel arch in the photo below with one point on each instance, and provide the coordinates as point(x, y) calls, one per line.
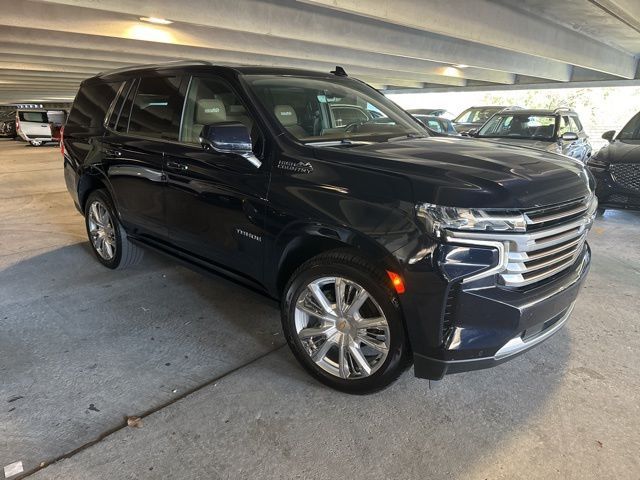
point(304, 241)
point(88, 182)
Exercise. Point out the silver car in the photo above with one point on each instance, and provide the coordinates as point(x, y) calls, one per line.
point(557, 131)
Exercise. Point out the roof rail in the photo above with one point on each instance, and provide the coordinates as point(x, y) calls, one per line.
point(563, 109)
point(177, 63)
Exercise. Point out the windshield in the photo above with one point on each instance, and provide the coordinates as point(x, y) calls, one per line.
point(631, 131)
point(325, 110)
point(538, 127)
point(477, 115)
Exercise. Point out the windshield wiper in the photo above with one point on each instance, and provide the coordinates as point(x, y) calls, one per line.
point(337, 143)
point(408, 136)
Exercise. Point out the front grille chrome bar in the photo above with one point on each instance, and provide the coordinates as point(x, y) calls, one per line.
point(554, 243)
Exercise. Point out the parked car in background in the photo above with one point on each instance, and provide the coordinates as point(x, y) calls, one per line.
point(475, 117)
point(436, 124)
point(556, 131)
point(33, 126)
point(8, 123)
point(434, 112)
point(617, 168)
point(57, 118)
point(383, 245)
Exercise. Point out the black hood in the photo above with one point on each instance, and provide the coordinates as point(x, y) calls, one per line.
point(627, 151)
point(470, 173)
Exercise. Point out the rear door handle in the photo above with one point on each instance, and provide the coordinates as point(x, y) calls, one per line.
point(177, 165)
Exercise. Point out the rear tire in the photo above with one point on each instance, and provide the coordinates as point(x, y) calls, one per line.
point(336, 348)
point(107, 237)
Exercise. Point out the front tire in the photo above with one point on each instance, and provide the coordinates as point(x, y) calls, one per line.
point(107, 237)
point(343, 323)
point(35, 143)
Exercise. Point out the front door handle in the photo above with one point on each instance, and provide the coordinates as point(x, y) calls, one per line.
point(177, 165)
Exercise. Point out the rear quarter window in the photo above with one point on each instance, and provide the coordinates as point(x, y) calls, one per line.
point(157, 108)
point(91, 104)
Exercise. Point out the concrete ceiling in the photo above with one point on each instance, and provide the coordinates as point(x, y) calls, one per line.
point(48, 46)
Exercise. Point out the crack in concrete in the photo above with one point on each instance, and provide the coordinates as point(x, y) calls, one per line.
point(143, 415)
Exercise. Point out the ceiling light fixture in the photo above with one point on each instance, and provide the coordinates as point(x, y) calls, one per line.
point(156, 20)
point(461, 65)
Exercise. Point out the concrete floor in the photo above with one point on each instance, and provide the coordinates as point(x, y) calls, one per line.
point(201, 359)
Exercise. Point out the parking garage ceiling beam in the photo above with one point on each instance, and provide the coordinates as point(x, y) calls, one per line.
point(485, 22)
point(366, 74)
point(65, 60)
point(131, 52)
point(69, 64)
point(627, 11)
point(287, 27)
point(227, 47)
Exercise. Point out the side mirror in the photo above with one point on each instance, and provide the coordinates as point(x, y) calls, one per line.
point(472, 133)
point(229, 137)
point(569, 137)
point(608, 135)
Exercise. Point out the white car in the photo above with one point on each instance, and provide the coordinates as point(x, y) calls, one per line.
point(33, 126)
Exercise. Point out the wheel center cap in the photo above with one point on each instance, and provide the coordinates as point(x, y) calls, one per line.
point(343, 326)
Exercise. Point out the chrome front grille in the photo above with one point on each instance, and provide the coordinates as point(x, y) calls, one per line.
point(554, 240)
point(539, 255)
point(626, 175)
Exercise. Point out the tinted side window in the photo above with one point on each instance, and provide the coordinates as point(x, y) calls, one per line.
point(117, 106)
point(38, 117)
point(125, 111)
point(157, 108)
point(210, 100)
point(91, 104)
point(631, 131)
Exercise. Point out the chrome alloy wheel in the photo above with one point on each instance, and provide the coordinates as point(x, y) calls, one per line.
point(101, 230)
point(342, 328)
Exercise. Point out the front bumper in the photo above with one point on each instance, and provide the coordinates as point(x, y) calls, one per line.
point(613, 195)
point(489, 324)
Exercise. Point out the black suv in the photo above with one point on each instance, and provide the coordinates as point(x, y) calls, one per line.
point(617, 168)
point(383, 244)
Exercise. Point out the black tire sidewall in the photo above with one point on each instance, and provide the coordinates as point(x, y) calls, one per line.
point(103, 197)
point(395, 361)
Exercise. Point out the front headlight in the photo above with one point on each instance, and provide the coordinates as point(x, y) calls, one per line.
point(438, 218)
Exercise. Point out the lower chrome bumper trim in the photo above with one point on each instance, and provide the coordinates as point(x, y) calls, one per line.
point(517, 344)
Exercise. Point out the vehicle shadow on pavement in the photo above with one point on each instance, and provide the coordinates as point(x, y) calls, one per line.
point(84, 346)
